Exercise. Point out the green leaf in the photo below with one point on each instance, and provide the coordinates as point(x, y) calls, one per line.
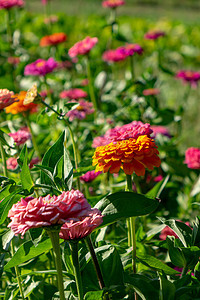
point(36, 235)
point(28, 251)
point(167, 289)
point(153, 262)
point(94, 295)
point(25, 175)
point(196, 188)
point(7, 203)
point(175, 253)
point(68, 170)
point(191, 255)
point(196, 233)
point(58, 173)
point(5, 139)
point(125, 204)
point(157, 189)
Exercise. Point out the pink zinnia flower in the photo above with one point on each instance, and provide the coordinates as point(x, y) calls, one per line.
point(20, 136)
point(114, 55)
point(40, 67)
point(192, 158)
point(151, 92)
point(47, 211)
point(90, 176)
point(119, 133)
point(7, 4)
point(81, 111)
point(12, 163)
point(131, 49)
point(191, 77)
point(6, 98)
point(51, 19)
point(157, 129)
point(158, 178)
point(80, 228)
point(113, 3)
point(167, 231)
point(154, 34)
point(73, 94)
point(13, 60)
point(83, 47)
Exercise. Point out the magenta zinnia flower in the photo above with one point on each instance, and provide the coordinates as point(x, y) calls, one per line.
point(131, 49)
point(113, 3)
point(73, 94)
point(114, 55)
point(83, 47)
point(47, 211)
point(154, 34)
point(41, 67)
point(20, 136)
point(90, 176)
point(6, 98)
point(81, 227)
point(192, 158)
point(119, 133)
point(157, 129)
point(81, 111)
point(191, 77)
point(7, 4)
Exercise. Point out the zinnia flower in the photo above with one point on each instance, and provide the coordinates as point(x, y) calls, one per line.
point(20, 136)
point(53, 39)
point(157, 129)
point(6, 98)
point(113, 3)
point(83, 47)
point(51, 19)
point(41, 67)
point(154, 34)
point(13, 60)
point(73, 94)
point(81, 111)
point(191, 77)
point(89, 176)
point(47, 211)
point(7, 4)
point(192, 158)
point(132, 155)
point(12, 163)
point(81, 227)
point(167, 231)
point(151, 92)
point(19, 107)
point(114, 55)
point(131, 49)
point(119, 133)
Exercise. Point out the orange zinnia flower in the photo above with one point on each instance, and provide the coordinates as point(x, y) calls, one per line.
point(19, 107)
point(53, 39)
point(132, 155)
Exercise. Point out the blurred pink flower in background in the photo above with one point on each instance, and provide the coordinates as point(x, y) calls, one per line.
point(51, 19)
point(73, 94)
point(114, 55)
point(154, 34)
point(158, 129)
point(7, 4)
point(113, 3)
point(45, 93)
point(81, 227)
point(158, 178)
point(47, 211)
point(191, 77)
point(34, 161)
point(6, 98)
point(81, 111)
point(84, 82)
point(40, 67)
point(12, 163)
point(20, 136)
point(168, 231)
point(192, 158)
point(119, 133)
point(90, 176)
point(131, 49)
point(151, 92)
point(13, 60)
point(83, 47)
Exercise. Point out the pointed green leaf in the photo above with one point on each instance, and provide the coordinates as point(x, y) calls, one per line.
point(157, 189)
point(175, 253)
point(25, 175)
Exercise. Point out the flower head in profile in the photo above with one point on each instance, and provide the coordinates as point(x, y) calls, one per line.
point(83, 47)
point(151, 92)
point(73, 94)
point(53, 39)
point(132, 155)
point(81, 227)
point(41, 67)
point(6, 98)
point(158, 129)
point(20, 136)
point(12, 163)
point(47, 211)
point(90, 176)
point(113, 3)
point(192, 158)
point(131, 49)
point(154, 34)
point(114, 55)
point(19, 107)
point(81, 111)
point(7, 4)
point(191, 77)
point(167, 231)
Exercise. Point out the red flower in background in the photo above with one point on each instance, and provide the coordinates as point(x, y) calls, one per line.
point(53, 39)
point(154, 34)
point(113, 3)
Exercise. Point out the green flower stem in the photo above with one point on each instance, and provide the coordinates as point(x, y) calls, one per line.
point(17, 272)
point(91, 89)
point(132, 226)
point(9, 29)
point(129, 231)
point(132, 67)
point(54, 236)
point(32, 136)
point(95, 261)
point(3, 157)
point(77, 273)
point(184, 271)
